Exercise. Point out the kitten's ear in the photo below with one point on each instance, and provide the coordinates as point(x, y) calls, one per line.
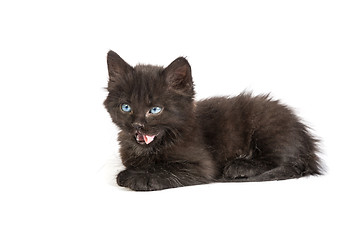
point(178, 75)
point(117, 67)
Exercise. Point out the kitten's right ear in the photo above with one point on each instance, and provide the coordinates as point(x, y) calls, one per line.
point(117, 67)
point(178, 76)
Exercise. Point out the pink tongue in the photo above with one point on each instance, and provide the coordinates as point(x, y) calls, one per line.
point(148, 139)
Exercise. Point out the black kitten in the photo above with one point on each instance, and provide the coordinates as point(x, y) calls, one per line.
point(168, 140)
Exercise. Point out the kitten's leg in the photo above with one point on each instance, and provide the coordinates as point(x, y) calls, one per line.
point(241, 168)
point(278, 173)
point(143, 180)
point(256, 171)
point(162, 177)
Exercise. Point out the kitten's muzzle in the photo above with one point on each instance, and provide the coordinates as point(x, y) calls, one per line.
point(143, 138)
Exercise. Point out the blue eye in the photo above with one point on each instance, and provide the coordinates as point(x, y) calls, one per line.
point(126, 108)
point(155, 110)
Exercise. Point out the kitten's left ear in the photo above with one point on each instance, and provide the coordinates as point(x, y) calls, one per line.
point(117, 67)
point(178, 75)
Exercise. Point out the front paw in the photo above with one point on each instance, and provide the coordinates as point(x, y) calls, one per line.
point(123, 178)
point(134, 180)
point(140, 180)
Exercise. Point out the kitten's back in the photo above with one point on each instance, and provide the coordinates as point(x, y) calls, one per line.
point(256, 128)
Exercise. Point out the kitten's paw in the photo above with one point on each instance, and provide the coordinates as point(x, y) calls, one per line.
point(140, 181)
point(240, 168)
point(137, 181)
point(123, 178)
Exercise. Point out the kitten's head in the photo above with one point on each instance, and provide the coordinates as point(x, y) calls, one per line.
point(152, 105)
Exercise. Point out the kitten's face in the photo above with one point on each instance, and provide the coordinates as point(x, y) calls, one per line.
point(150, 104)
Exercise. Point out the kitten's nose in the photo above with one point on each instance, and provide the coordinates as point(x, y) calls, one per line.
point(138, 125)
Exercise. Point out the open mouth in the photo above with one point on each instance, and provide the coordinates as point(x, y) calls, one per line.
point(143, 138)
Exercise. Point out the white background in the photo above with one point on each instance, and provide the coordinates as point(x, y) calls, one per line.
point(58, 145)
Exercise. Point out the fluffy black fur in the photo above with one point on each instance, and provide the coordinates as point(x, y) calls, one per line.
point(244, 138)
